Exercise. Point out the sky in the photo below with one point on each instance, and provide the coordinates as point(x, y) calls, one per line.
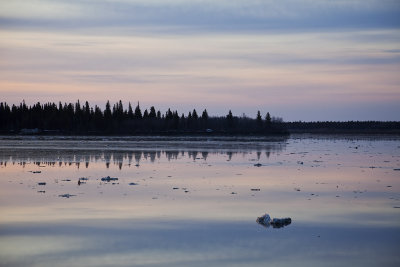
point(303, 60)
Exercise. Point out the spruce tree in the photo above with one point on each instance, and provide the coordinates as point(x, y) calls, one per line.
point(194, 114)
point(152, 113)
point(138, 112)
point(204, 116)
point(268, 119)
point(259, 119)
point(130, 111)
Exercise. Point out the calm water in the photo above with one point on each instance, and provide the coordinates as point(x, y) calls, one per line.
point(189, 202)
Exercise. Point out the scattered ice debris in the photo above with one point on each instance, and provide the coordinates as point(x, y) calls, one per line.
point(108, 179)
point(133, 184)
point(258, 164)
point(66, 195)
point(41, 183)
point(255, 189)
point(266, 221)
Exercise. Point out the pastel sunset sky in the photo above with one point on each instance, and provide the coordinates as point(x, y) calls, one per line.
point(300, 60)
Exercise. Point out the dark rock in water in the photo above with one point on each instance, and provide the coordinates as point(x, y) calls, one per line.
point(258, 164)
point(41, 183)
point(133, 184)
point(66, 195)
point(84, 179)
point(108, 179)
point(175, 188)
point(266, 221)
point(36, 172)
point(278, 223)
point(255, 189)
point(396, 169)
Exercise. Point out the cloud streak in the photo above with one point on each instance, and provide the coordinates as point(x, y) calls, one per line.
point(201, 16)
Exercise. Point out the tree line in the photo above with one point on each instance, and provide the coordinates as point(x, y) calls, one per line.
point(77, 118)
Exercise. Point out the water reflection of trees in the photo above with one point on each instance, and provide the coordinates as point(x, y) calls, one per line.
point(79, 158)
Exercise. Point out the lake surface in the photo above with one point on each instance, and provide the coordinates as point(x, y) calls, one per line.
point(194, 202)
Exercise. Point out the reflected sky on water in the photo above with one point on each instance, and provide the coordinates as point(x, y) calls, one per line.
point(178, 204)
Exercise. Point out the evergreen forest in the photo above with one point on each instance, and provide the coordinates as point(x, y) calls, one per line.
point(84, 119)
point(77, 118)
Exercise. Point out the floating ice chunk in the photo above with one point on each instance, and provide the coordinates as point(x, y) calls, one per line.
point(264, 220)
